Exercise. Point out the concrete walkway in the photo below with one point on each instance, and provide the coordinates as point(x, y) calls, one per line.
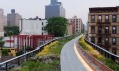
point(71, 60)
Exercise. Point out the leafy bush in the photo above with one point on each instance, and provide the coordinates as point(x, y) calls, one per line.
point(31, 65)
point(5, 52)
point(1, 42)
point(14, 30)
point(28, 48)
point(19, 53)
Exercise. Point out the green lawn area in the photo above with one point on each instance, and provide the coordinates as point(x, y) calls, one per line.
point(48, 59)
point(110, 63)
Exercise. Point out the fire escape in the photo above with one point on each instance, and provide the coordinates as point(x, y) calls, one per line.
point(103, 34)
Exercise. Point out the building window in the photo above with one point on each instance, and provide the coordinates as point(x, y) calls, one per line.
point(42, 28)
point(76, 30)
point(93, 39)
point(71, 20)
point(113, 41)
point(99, 29)
point(106, 40)
point(99, 18)
point(92, 29)
point(42, 33)
point(99, 40)
point(114, 18)
point(42, 23)
point(107, 29)
point(114, 30)
point(107, 18)
point(93, 19)
point(76, 20)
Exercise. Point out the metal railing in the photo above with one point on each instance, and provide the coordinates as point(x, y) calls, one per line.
point(17, 61)
point(104, 52)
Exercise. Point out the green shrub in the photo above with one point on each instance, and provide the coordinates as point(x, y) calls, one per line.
point(31, 65)
point(24, 69)
point(28, 48)
point(19, 53)
point(90, 49)
point(5, 52)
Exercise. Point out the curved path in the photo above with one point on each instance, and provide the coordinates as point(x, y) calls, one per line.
point(71, 59)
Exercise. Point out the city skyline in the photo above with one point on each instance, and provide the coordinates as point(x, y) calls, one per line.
point(30, 8)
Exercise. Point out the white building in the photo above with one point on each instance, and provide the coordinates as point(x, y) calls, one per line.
point(12, 43)
point(33, 27)
point(78, 23)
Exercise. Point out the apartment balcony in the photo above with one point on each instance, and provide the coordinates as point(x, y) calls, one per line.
point(107, 34)
point(99, 35)
point(104, 34)
point(99, 22)
point(100, 44)
point(106, 46)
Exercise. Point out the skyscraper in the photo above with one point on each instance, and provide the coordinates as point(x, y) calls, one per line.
point(55, 9)
point(13, 18)
point(1, 22)
point(54, 1)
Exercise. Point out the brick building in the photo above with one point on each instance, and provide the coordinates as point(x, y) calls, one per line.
point(103, 27)
point(77, 22)
point(13, 18)
point(71, 28)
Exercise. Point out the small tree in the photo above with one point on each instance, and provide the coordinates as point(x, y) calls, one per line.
point(1, 42)
point(28, 48)
point(57, 26)
point(14, 30)
point(19, 53)
point(5, 52)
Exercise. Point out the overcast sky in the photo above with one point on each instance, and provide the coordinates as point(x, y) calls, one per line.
point(32, 8)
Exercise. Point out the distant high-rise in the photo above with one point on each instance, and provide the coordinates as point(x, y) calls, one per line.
point(55, 9)
point(78, 23)
point(54, 1)
point(1, 22)
point(13, 18)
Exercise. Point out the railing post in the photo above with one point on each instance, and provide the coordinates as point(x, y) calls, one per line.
point(27, 57)
point(18, 61)
point(6, 67)
point(99, 50)
point(112, 57)
point(108, 55)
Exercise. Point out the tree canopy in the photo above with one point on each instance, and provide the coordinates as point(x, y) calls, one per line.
point(57, 26)
point(14, 30)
